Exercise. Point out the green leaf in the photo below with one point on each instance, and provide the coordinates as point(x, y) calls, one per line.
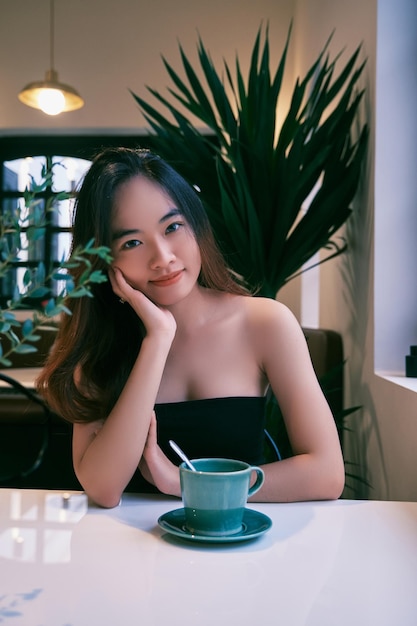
point(80, 292)
point(27, 327)
point(97, 277)
point(8, 315)
point(50, 307)
point(40, 273)
point(33, 338)
point(61, 276)
point(40, 292)
point(34, 233)
point(24, 348)
point(27, 277)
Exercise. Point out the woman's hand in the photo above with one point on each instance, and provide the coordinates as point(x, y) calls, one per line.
point(156, 468)
point(156, 319)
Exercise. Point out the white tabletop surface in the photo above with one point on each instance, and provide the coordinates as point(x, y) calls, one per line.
point(64, 562)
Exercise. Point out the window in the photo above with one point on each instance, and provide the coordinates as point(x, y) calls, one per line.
point(395, 188)
point(22, 160)
point(55, 243)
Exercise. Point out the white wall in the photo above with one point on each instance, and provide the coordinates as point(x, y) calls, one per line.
point(104, 47)
point(384, 437)
point(395, 185)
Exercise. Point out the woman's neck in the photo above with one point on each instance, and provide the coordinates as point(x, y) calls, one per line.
point(200, 308)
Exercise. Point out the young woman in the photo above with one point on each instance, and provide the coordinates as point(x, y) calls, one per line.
point(174, 347)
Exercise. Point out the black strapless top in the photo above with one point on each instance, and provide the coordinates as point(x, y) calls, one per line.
point(216, 427)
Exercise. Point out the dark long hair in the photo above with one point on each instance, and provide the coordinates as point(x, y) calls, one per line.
point(102, 338)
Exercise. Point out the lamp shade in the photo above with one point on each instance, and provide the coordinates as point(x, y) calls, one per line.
point(51, 96)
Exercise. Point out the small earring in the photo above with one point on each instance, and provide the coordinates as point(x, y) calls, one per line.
point(122, 301)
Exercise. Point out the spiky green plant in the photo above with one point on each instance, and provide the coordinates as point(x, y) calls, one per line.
point(275, 196)
point(254, 177)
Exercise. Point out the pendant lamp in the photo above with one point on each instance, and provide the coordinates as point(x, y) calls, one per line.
point(51, 96)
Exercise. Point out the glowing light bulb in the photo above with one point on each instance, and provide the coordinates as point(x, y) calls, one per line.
point(51, 101)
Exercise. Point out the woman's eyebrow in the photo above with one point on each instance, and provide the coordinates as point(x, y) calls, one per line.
point(118, 234)
point(172, 213)
point(124, 232)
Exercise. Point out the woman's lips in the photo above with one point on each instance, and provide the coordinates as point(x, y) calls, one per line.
point(169, 279)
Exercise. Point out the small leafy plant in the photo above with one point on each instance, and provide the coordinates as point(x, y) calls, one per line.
point(20, 230)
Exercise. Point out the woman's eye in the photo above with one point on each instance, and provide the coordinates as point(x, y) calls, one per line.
point(132, 243)
point(173, 227)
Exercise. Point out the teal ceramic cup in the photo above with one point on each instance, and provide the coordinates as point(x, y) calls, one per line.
point(215, 496)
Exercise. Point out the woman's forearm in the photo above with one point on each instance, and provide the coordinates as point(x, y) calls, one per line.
point(107, 464)
point(302, 477)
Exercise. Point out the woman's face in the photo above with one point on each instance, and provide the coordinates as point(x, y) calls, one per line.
point(152, 244)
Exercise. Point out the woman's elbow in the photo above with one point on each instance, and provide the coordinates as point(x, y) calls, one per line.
point(107, 497)
point(104, 499)
point(108, 502)
point(334, 483)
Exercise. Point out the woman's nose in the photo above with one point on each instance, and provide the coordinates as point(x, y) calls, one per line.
point(162, 255)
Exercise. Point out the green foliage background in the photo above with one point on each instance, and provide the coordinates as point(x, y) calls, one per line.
point(254, 177)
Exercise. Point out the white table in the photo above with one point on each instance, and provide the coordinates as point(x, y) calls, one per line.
point(64, 562)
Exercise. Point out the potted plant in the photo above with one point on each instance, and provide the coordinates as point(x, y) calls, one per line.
point(274, 195)
point(254, 177)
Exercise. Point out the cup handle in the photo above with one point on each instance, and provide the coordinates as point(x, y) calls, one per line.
point(260, 477)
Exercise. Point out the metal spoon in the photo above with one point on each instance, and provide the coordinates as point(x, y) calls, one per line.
point(181, 454)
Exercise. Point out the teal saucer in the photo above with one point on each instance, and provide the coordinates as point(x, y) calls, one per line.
point(254, 525)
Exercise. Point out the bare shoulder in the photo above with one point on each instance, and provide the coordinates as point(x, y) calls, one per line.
point(268, 314)
point(273, 328)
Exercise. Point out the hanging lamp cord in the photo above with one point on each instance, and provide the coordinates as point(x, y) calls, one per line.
point(52, 32)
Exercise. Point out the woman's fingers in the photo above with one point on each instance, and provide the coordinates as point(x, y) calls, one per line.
point(119, 285)
point(113, 278)
point(155, 318)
